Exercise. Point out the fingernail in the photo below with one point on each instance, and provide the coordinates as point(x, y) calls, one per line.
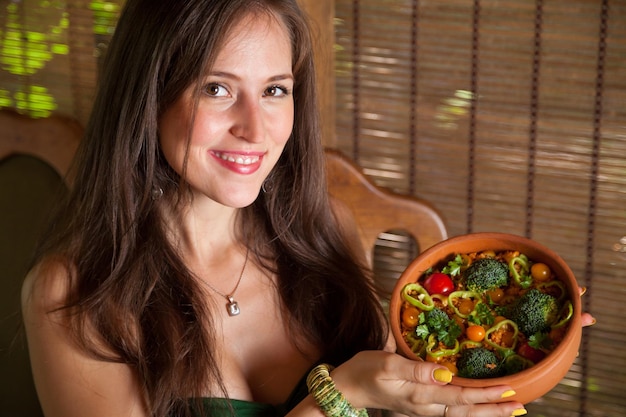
point(507, 394)
point(442, 375)
point(519, 412)
point(583, 290)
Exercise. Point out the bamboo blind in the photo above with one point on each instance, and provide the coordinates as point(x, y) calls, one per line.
point(509, 116)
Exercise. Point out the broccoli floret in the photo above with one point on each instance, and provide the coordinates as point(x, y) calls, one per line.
point(533, 312)
point(478, 363)
point(486, 274)
point(436, 318)
point(438, 323)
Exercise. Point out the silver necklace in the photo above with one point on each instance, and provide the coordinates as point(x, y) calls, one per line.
point(232, 307)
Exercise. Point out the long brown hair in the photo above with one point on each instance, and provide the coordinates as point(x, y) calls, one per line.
point(129, 283)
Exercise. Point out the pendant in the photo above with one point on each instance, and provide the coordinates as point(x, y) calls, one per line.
point(232, 307)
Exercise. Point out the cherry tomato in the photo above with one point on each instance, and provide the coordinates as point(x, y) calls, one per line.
point(466, 306)
point(496, 295)
point(410, 316)
point(475, 333)
point(530, 353)
point(438, 283)
point(540, 272)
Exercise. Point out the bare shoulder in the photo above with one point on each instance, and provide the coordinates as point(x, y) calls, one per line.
point(69, 381)
point(45, 287)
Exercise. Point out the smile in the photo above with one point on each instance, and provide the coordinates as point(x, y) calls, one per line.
point(238, 159)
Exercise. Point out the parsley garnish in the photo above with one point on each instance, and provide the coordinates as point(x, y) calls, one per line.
point(481, 315)
point(454, 266)
point(540, 340)
point(436, 322)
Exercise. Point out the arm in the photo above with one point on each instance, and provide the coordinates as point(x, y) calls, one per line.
point(69, 382)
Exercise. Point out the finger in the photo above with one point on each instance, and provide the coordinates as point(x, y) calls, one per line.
point(427, 373)
point(435, 393)
point(485, 410)
point(587, 319)
point(466, 396)
point(476, 402)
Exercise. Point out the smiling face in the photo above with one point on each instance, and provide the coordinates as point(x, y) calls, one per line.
point(244, 116)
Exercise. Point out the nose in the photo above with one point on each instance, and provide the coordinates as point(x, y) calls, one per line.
point(248, 121)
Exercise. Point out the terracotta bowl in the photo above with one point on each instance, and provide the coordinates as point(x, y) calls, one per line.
point(531, 383)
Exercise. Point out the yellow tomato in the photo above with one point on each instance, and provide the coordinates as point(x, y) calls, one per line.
point(465, 306)
point(496, 295)
point(540, 271)
point(475, 333)
point(410, 316)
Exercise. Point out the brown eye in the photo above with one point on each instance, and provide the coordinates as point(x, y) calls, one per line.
point(215, 90)
point(276, 91)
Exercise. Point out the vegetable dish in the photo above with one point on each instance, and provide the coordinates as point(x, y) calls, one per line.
point(485, 314)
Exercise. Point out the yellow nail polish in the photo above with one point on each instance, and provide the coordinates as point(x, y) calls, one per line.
point(442, 375)
point(583, 290)
point(519, 412)
point(507, 394)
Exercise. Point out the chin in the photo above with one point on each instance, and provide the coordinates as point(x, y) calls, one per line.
point(241, 201)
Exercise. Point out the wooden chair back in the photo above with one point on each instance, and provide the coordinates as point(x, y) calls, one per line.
point(378, 210)
point(53, 140)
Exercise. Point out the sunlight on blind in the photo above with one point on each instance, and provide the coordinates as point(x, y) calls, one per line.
point(508, 116)
point(49, 52)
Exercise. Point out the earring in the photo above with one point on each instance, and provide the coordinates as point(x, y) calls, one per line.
point(157, 193)
point(267, 185)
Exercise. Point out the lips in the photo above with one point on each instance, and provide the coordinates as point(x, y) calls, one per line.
point(237, 158)
point(243, 163)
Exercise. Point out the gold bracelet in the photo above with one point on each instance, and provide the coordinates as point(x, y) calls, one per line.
point(330, 400)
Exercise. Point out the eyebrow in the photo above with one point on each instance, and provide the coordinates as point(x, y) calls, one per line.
point(278, 77)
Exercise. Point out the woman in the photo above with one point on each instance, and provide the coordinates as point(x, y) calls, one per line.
point(197, 267)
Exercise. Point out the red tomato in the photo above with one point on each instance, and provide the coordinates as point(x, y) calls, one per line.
point(530, 353)
point(438, 283)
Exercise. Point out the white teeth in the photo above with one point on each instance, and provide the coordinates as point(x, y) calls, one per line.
point(241, 160)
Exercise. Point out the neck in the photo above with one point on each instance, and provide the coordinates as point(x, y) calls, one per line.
point(204, 235)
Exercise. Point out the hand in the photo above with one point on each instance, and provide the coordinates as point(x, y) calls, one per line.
point(383, 380)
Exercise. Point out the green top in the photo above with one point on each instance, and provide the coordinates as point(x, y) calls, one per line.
point(221, 407)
